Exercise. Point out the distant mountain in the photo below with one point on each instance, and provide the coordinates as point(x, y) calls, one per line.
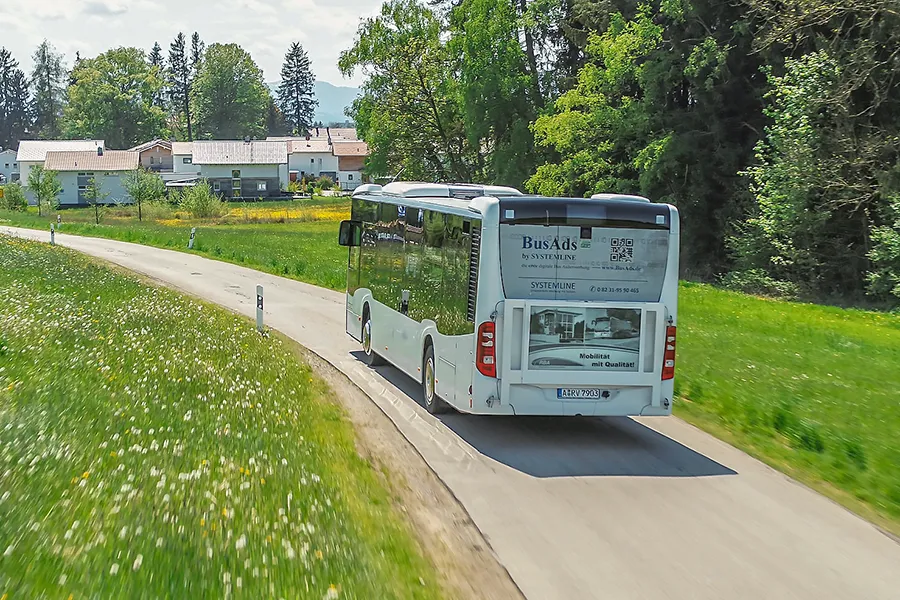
point(333, 100)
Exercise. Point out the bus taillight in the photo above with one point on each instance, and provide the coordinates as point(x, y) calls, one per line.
point(668, 371)
point(486, 350)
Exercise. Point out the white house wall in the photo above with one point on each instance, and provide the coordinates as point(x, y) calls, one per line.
point(178, 165)
point(109, 184)
point(321, 162)
point(8, 157)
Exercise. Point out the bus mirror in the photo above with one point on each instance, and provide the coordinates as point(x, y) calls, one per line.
point(349, 233)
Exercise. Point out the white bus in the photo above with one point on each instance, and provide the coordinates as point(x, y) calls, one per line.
point(505, 304)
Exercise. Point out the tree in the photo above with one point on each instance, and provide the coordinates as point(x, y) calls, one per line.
point(296, 93)
point(15, 119)
point(276, 124)
point(157, 62)
point(13, 197)
point(112, 99)
point(45, 186)
point(75, 65)
point(495, 89)
point(180, 83)
point(95, 196)
point(144, 186)
point(668, 105)
point(408, 111)
point(229, 98)
point(197, 50)
point(48, 78)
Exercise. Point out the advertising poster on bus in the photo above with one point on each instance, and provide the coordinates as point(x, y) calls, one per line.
point(594, 339)
point(558, 263)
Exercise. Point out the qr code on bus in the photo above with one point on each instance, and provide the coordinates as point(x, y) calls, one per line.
point(622, 250)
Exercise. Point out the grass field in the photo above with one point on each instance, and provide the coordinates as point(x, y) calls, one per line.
point(154, 446)
point(293, 239)
point(808, 389)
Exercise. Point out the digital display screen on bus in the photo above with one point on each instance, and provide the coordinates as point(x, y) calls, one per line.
point(591, 339)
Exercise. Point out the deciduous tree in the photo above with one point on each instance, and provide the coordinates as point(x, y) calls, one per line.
point(229, 98)
point(46, 188)
point(112, 99)
point(143, 186)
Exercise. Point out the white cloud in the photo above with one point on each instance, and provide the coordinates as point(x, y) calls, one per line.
point(265, 28)
point(104, 9)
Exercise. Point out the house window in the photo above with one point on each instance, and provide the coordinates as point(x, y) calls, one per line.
point(217, 186)
point(236, 174)
point(350, 177)
point(260, 186)
point(188, 160)
point(312, 161)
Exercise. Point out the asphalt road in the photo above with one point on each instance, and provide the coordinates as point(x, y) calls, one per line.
point(577, 509)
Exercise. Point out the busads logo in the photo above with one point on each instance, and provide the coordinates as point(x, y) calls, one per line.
point(549, 243)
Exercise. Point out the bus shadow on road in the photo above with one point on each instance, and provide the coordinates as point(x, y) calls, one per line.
point(548, 447)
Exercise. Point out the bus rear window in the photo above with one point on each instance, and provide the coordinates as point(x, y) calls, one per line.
point(588, 250)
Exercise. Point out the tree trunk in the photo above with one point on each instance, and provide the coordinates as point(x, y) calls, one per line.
point(140, 218)
point(96, 213)
point(532, 58)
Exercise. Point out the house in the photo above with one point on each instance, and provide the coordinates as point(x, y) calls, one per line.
point(248, 169)
point(311, 158)
point(107, 168)
point(34, 152)
point(183, 159)
point(351, 158)
point(9, 166)
point(155, 155)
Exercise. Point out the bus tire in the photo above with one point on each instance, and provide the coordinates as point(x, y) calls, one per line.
point(433, 402)
point(373, 359)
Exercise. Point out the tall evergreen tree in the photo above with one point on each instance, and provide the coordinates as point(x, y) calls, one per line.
point(180, 82)
point(296, 93)
point(48, 79)
point(197, 50)
point(14, 99)
point(72, 76)
point(157, 61)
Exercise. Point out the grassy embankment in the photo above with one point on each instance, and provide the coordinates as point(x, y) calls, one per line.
point(808, 389)
point(155, 446)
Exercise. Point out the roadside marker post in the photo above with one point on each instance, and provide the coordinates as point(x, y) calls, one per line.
point(259, 308)
point(58, 221)
point(191, 241)
point(52, 235)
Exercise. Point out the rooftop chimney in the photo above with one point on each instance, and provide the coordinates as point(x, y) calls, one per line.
point(99, 150)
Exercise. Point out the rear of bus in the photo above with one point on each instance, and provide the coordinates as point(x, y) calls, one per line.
point(577, 307)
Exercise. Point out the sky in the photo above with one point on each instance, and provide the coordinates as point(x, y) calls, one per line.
point(265, 28)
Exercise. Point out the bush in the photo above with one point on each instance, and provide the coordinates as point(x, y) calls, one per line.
point(13, 197)
point(294, 187)
point(201, 203)
point(758, 283)
point(158, 210)
point(324, 182)
point(884, 278)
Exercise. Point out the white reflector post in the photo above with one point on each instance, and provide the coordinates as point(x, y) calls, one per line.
point(191, 240)
point(52, 235)
point(259, 308)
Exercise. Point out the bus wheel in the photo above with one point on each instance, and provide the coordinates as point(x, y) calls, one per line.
point(433, 403)
point(372, 358)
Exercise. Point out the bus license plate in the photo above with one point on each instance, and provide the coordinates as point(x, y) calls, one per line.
point(578, 393)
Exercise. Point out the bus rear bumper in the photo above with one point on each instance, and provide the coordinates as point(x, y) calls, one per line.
point(616, 402)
